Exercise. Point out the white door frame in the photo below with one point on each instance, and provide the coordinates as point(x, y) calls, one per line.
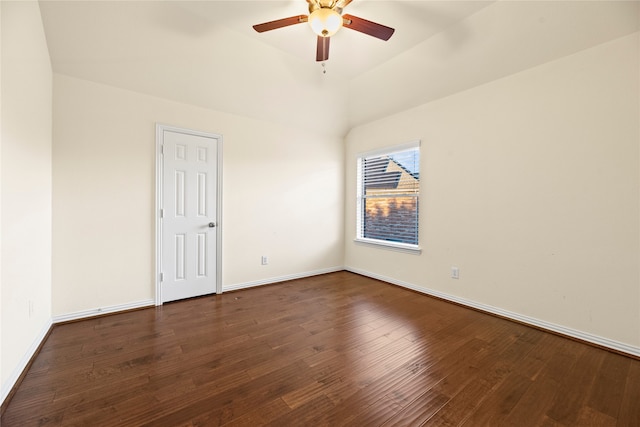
point(160, 128)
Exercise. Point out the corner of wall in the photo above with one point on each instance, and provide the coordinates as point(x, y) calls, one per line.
point(26, 115)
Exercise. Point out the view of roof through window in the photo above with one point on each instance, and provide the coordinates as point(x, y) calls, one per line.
point(391, 186)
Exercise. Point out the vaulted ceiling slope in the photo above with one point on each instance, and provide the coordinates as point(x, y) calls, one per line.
point(205, 53)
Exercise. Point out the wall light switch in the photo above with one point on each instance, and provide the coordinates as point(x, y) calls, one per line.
point(455, 273)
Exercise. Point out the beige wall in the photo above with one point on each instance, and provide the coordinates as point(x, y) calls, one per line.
point(530, 187)
point(282, 195)
point(25, 180)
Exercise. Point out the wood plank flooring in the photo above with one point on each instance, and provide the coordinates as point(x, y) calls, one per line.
point(332, 350)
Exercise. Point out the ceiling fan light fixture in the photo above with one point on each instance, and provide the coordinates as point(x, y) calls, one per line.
point(325, 22)
point(325, 19)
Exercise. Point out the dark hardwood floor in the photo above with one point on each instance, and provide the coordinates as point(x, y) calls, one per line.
point(331, 350)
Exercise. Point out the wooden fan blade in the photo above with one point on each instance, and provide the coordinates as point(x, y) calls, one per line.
point(322, 53)
point(279, 23)
point(371, 28)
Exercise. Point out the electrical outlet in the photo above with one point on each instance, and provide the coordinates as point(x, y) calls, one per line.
point(455, 273)
point(264, 260)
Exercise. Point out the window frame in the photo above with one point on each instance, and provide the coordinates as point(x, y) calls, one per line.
point(360, 200)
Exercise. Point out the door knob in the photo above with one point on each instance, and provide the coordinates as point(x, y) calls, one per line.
point(212, 224)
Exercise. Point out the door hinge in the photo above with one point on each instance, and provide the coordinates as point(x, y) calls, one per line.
point(162, 149)
point(161, 213)
point(162, 277)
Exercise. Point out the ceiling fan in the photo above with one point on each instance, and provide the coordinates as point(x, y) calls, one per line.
point(325, 18)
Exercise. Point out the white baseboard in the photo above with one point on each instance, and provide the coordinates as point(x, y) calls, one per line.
point(102, 310)
point(13, 378)
point(584, 336)
point(272, 280)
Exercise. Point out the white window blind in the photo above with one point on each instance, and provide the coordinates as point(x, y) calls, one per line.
point(388, 192)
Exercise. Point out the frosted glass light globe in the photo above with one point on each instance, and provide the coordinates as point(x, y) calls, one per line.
point(325, 22)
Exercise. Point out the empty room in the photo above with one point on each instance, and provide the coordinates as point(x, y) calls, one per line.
point(320, 213)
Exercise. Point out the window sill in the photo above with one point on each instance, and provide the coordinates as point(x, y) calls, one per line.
point(398, 247)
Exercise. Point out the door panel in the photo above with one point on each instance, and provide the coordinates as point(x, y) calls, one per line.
point(188, 222)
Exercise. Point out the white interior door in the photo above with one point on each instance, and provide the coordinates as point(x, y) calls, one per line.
point(188, 223)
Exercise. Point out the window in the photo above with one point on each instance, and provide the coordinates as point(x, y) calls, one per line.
point(388, 191)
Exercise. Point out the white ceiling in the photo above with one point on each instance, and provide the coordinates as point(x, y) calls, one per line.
point(205, 53)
